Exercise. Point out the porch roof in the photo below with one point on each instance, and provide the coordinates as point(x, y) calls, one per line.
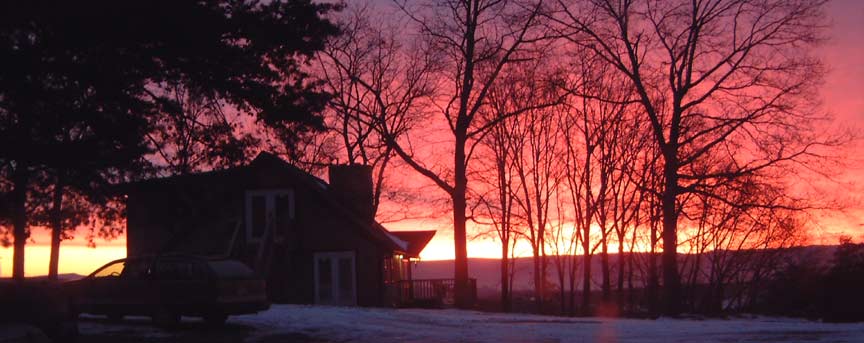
point(417, 240)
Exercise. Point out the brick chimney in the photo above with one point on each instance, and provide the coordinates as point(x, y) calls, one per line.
point(352, 185)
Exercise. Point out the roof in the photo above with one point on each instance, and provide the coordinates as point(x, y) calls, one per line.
point(321, 188)
point(417, 240)
point(262, 158)
point(313, 183)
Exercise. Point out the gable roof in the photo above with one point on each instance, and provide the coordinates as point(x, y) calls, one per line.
point(312, 183)
point(417, 240)
point(322, 188)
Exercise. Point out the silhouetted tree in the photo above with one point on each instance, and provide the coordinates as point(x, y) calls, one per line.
point(377, 76)
point(709, 74)
point(192, 133)
point(5, 209)
point(81, 80)
point(593, 113)
point(475, 41)
point(796, 289)
point(526, 149)
point(844, 282)
point(536, 158)
point(496, 199)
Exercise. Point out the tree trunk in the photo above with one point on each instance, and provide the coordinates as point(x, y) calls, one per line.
point(631, 301)
point(620, 281)
point(463, 292)
point(19, 213)
point(671, 278)
point(562, 290)
point(505, 289)
point(586, 274)
point(56, 228)
point(538, 283)
point(572, 298)
point(653, 278)
point(604, 266)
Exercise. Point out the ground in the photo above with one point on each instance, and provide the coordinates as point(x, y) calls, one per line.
point(295, 323)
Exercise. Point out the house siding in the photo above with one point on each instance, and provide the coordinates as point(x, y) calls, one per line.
point(198, 215)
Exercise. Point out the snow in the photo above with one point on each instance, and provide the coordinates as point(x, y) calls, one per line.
point(344, 324)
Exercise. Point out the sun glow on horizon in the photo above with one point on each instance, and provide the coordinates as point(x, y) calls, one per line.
point(74, 258)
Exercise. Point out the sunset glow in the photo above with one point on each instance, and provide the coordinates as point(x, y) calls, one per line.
point(432, 170)
point(843, 54)
point(75, 257)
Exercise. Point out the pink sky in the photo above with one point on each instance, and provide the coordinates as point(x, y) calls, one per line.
point(843, 96)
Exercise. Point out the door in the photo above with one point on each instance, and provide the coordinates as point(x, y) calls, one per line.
point(335, 278)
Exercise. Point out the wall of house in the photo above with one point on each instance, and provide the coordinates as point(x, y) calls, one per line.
point(319, 227)
point(160, 219)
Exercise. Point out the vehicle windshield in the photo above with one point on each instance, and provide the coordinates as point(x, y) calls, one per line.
point(111, 270)
point(127, 269)
point(228, 269)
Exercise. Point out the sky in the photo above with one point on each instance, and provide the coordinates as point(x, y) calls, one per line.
point(842, 93)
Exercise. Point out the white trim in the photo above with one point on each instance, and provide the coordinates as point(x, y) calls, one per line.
point(334, 257)
point(269, 206)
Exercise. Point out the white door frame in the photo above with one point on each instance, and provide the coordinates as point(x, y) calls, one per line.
point(269, 207)
point(334, 257)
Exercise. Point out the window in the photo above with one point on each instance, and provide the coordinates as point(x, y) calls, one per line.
point(267, 210)
point(135, 269)
point(175, 269)
point(284, 209)
point(392, 273)
point(259, 215)
point(111, 270)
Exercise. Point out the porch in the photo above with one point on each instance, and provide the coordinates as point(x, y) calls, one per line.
point(436, 293)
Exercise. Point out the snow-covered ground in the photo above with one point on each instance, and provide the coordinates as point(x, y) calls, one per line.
point(338, 324)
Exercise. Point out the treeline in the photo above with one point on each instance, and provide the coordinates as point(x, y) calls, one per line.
point(581, 128)
point(829, 291)
point(103, 92)
point(669, 132)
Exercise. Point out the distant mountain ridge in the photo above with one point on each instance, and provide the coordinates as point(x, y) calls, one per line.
point(487, 271)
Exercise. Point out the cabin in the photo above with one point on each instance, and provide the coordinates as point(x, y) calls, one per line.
point(314, 242)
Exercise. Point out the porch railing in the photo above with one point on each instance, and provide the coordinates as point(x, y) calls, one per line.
point(429, 292)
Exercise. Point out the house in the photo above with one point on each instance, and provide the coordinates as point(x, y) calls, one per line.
point(315, 242)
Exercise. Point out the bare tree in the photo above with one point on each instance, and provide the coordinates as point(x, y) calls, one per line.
point(563, 242)
point(709, 74)
point(496, 200)
point(192, 132)
point(593, 128)
point(536, 152)
point(475, 42)
point(629, 138)
point(379, 79)
point(736, 240)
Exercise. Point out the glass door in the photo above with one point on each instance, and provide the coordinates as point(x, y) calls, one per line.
point(335, 279)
